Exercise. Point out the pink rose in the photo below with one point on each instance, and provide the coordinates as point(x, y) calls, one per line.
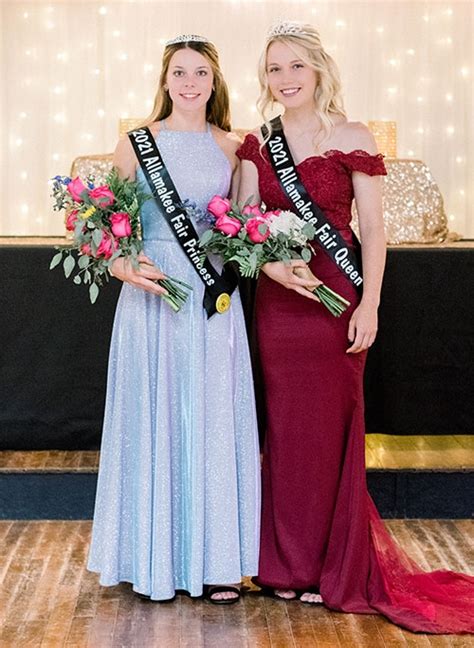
point(71, 220)
point(252, 226)
point(219, 206)
point(102, 196)
point(86, 249)
point(76, 188)
point(273, 212)
point(107, 246)
point(252, 210)
point(120, 224)
point(228, 225)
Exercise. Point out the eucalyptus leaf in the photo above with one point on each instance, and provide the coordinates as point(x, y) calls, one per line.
point(83, 261)
point(87, 276)
point(56, 260)
point(93, 292)
point(306, 255)
point(77, 279)
point(68, 265)
point(97, 236)
point(206, 237)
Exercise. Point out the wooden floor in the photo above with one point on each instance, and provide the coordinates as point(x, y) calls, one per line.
point(383, 452)
point(48, 599)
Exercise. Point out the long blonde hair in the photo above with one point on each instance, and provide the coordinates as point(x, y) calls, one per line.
point(218, 105)
point(328, 95)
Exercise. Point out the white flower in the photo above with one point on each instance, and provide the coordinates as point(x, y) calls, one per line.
point(289, 224)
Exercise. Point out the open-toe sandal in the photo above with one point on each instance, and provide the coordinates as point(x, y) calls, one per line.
point(210, 590)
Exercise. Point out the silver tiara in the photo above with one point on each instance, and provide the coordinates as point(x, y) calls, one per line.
point(286, 28)
point(187, 38)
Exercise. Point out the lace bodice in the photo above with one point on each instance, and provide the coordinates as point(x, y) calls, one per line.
point(327, 178)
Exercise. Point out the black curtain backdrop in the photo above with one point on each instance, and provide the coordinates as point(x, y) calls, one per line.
point(54, 349)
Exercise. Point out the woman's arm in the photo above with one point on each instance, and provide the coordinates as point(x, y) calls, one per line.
point(125, 162)
point(368, 196)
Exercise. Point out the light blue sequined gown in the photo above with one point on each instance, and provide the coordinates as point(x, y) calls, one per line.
point(178, 498)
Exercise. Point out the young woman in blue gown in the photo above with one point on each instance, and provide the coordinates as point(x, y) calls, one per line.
point(178, 498)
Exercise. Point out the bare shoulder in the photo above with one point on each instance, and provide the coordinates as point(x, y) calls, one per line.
point(155, 128)
point(354, 136)
point(228, 141)
point(125, 160)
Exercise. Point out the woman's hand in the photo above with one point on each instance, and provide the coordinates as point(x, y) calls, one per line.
point(144, 277)
point(362, 328)
point(283, 274)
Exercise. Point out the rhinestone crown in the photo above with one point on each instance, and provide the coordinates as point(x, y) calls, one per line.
point(286, 28)
point(187, 38)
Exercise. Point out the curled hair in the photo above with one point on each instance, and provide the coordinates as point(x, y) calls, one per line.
point(218, 105)
point(327, 96)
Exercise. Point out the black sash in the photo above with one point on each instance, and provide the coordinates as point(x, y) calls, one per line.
point(348, 260)
point(217, 288)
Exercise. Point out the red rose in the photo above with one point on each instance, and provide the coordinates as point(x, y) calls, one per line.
point(253, 227)
point(228, 225)
point(107, 246)
point(120, 224)
point(219, 206)
point(76, 188)
point(102, 196)
point(71, 220)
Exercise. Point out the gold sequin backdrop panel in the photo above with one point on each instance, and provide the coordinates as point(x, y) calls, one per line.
point(71, 70)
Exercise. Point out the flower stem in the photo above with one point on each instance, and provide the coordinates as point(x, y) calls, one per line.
point(335, 304)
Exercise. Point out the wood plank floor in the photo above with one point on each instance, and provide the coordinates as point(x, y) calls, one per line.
point(49, 600)
point(383, 452)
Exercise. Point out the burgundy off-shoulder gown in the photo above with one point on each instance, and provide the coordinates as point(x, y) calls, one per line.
point(320, 527)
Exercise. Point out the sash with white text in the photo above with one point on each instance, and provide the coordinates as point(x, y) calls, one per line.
point(347, 258)
point(167, 198)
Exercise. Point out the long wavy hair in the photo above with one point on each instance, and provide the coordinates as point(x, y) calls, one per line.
point(327, 96)
point(218, 105)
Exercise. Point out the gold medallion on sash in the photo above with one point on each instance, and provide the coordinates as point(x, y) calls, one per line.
point(223, 303)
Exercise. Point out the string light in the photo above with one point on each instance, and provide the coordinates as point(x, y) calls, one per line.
point(436, 35)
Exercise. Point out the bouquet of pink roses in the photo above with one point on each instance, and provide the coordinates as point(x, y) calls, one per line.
point(251, 237)
point(105, 224)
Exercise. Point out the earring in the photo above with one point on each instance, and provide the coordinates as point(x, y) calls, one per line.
point(165, 88)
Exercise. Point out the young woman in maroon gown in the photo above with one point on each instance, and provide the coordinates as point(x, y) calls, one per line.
point(322, 538)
